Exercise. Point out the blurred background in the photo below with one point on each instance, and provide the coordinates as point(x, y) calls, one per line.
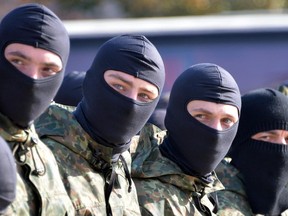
point(100, 9)
point(249, 38)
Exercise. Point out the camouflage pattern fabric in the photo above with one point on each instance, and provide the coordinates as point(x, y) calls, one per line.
point(162, 187)
point(233, 199)
point(80, 159)
point(39, 189)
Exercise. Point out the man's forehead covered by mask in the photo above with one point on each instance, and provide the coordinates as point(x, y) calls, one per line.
point(131, 54)
point(207, 82)
point(37, 26)
point(263, 110)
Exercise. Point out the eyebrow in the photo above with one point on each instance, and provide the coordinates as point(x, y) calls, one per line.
point(272, 132)
point(21, 55)
point(202, 110)
point(148, 91)
point(121, 78)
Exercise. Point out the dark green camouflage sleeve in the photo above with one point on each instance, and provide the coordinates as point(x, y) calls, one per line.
point(232, 200)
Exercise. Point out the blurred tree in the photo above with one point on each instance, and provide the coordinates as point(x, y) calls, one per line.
point(148, 8)
point(256, 4)
point(84, 5)
point(92, 9)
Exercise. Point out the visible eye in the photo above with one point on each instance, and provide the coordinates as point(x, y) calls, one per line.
point(200, 117)
point(227, 121)
point(49, 71)
point(118, 87)
point(16, 62)
point(143, 97)
point(264, 138)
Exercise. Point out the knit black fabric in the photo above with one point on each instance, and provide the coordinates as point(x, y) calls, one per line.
point(23, 98)
point(264, 165)
point(195, 147)
point(262, 110)
point(108, 116)
point(7, 176)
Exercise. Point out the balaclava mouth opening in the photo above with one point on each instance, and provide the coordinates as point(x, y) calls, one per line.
point(106, 115)
point(263, 165)
point(22, 98)
point(195, 147)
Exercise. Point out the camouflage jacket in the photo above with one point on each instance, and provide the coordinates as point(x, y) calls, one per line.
point(233, 200)
point(162, 187)
point(80, 159)
point(40, 190)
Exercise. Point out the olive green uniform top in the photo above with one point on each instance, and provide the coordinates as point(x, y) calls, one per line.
point(81, 160)
point(163, 189)
point(39, 189)
point(232, 201)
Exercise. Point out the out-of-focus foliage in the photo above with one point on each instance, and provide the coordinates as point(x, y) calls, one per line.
point(90, 9)
point(171, 7)
point(144, 8)
point(84, 5)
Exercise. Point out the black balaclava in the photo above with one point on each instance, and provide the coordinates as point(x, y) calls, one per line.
point(23, 98)
point(106, 115)
point(158, 116)
point(70, 92)
point(7, 176)
point(264, 165)
point(195, 147)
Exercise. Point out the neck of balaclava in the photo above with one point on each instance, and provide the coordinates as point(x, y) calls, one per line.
point(264, 167)
point(169, 151)
point(22, 98)
point(117, 148)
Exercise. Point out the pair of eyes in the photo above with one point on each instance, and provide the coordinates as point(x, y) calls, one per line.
point(141, 95)
point(226, 122)
point(270, 137)
point(23, 65)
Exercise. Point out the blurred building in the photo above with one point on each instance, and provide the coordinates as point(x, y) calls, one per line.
point(254, 48)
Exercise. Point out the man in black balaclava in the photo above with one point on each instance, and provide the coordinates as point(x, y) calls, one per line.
point(120, 92)
point(256, 178)
point(7, 176)
point(34, 49)
point(70, 92)
point(174, 177)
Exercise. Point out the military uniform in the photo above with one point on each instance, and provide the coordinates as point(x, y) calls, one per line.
point(233, 199)
point(82, 162)
point(40, 190)
point(162, 187)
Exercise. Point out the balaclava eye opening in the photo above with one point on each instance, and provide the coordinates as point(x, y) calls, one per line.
point(195, 147)
point(106, 115)
point(22, 98)
point(263, 165)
